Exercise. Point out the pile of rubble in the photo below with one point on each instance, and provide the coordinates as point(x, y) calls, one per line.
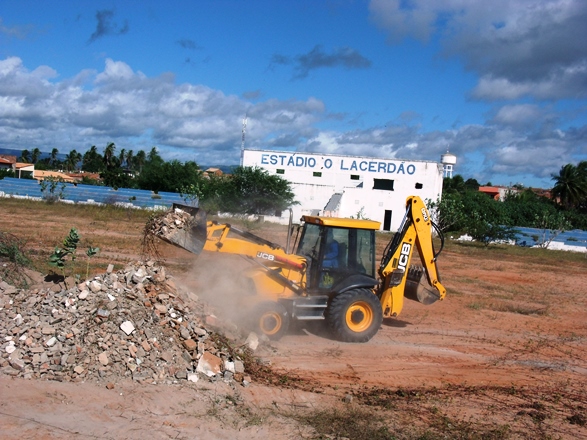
point(129, 324)
point(171, 222)
point(185, 228)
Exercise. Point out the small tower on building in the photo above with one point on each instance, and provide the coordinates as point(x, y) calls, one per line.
point(448, 161)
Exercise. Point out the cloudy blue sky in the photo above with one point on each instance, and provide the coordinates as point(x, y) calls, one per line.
point(501, 83)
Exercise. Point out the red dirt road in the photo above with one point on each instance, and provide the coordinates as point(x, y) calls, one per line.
point(505, 348)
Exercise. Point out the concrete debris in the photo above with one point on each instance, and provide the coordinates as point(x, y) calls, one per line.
point(172, 223)
point(252, 341)
point(130, 324)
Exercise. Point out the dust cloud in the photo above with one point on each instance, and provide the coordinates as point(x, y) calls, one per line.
point(217, 280)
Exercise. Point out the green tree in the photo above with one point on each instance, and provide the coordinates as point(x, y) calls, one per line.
point(108, 155)
point(52, 189)
point(6, 172)
point(116, 177)
point(72, 159)
point(570, 186)
point(253, 191)
point(129, 159)
point(122, 156)
point(35, 155)
point(448, 212)
point(154, 157)
point(551, 225)
point(139, 161)
point(53, 158)
point(521, 208)
point(93, 162)
point(488, 231)
point(159, 175)
point(25, 156)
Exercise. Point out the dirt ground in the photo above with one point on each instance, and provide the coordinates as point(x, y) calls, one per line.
point(503, 356)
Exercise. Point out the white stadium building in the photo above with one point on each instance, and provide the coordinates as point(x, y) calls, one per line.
point(349, 186)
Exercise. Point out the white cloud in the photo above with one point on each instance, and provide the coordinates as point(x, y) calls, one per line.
point(195, 122)
point(518, 47)
point(127, 107)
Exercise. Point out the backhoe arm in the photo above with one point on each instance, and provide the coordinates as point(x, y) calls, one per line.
point(249, 245)
point(416, 230)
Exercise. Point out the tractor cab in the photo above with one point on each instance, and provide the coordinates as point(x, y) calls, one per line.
point(340, 253)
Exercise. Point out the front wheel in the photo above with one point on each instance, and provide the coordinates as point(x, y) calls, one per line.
point(354, 316)
point(270, 319)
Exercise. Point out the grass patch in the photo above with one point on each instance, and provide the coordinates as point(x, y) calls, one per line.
point(502, 252)
point(352, 423)
point(13, 260)
point(520, 309)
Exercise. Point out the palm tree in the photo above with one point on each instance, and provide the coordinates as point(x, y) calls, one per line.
point(570, 186)
point(54, 153)
point(72, 159)
point(35, 155)
point(154, 156)
point(25, 156)
point(140, 160)
point(129, 159)
point(109, 154)
point(121, 156)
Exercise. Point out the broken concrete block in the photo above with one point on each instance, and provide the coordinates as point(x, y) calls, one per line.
point(127, 327)
point(190, 344)
point(103, 358)
point(193, 377)
point(252, 341)
point(209, 364)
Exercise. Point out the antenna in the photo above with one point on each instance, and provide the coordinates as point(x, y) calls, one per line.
point(243, 139)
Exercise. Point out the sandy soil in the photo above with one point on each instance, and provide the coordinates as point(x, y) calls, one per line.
point(506, 348)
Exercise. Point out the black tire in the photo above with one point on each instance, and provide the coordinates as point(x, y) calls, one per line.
point(354, 316)
point(270, 319)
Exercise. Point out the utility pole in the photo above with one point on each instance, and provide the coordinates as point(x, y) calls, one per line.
point(243, 139)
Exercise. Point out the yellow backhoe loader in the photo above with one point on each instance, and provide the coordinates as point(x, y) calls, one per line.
point(332, 273)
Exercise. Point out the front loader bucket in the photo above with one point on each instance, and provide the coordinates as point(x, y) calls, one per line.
point(186, 228)
point(418, 289)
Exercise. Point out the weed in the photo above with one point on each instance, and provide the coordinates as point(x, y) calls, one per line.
point(13, 259)
point(353, 423)
point(52, 189)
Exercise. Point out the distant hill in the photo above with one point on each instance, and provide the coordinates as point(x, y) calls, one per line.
point(17, 153)
point(11, 152)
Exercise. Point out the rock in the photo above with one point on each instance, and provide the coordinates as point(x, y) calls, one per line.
point(17, 364)
point(129, 323)
point(193, 377)
point(103, 358)
point(209, 364)
point(252, 341)
point(127, 327)
point(190, 344)
point(239, 367)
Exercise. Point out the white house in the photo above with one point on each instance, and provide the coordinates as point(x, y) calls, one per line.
point(351, 186)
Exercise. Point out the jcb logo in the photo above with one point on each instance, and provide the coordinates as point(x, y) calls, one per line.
point(425, 214)
point(404, 255)
point(265, 256)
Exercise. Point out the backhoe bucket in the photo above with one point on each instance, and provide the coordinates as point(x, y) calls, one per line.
point(418, 289)
point(188, 231)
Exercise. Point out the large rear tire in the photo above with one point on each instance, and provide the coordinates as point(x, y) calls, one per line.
point(354, 316)
point(270, 319)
